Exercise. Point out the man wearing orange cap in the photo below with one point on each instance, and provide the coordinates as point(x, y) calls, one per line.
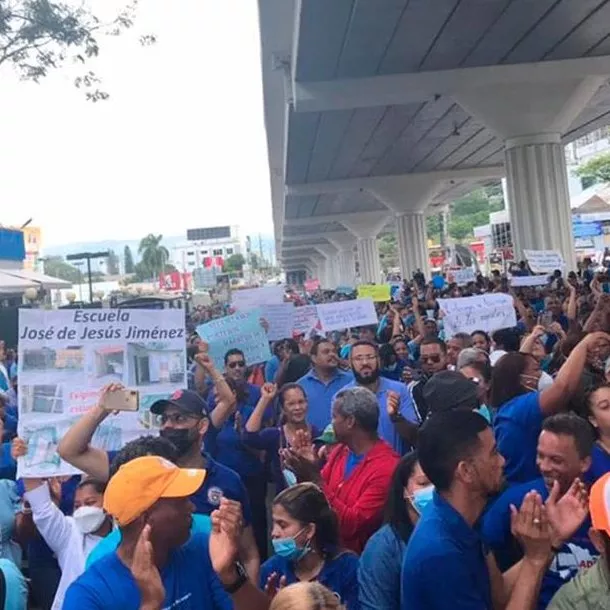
point(156, 565)
point(590, 588)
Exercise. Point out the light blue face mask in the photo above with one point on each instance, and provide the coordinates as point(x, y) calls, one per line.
point(287, 548)
point(484, 411)
point(289, 477)
point(422, 498)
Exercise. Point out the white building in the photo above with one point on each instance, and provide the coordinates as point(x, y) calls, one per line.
point(206, 247)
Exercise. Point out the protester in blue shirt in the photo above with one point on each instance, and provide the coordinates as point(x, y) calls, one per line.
point(446, 564)
point(397, 418)
point(156, 564)
point(391, 365)
point(292, 426)
point(282, 352)
point(563, 456)
point(184, 422)
point(597, 402)
point(13, 586)
point(381, 560)
point(305, 538)
point(323, 381)
point(521, 408)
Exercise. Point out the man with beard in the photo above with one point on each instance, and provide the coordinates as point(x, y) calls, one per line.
point(397, 419)
point(563, 457)
point(184, 421)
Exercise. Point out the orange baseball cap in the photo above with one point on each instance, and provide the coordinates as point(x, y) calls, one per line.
point(599, 503)
point(138, 484)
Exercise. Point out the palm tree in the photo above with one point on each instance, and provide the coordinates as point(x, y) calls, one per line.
point(154, 255)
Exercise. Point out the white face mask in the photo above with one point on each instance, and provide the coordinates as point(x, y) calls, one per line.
point(89, 518)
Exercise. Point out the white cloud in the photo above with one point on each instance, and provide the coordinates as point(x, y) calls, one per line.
point(180, 143)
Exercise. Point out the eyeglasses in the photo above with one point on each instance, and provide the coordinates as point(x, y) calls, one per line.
point(361, 359)
point(175, 418)
point(238, 363)
point(435, 359)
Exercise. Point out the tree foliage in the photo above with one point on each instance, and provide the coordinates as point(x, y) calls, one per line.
point(112, 263)
point(37, 36)
point(154, 256)
point(596, 169)
point(56, 266)
point(235, 263)
point(128, 260)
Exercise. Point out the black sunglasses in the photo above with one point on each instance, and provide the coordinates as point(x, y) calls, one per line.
point(239, 363)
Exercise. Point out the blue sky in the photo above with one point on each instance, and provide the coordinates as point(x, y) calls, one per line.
point(180, 143)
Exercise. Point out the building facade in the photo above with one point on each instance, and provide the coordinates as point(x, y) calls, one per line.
point(206, 248)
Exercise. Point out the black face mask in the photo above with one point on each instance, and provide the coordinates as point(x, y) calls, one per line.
point(182, 438)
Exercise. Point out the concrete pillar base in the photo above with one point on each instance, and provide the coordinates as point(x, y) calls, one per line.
point(346, 263)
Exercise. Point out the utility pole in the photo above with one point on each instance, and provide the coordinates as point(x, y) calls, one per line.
point(88, 256)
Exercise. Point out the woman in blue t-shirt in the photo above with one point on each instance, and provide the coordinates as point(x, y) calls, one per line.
point(521, 407)
point(381, 560)
point(293, 422)
point(597, 404)
point(305, 539)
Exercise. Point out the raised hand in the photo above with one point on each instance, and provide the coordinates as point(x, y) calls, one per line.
point(268, 391)
point(274, 584)
point(304, 469)
point(302, 445)
point(530, 526)
point(567, 514)
point(393, 403)
point(227, 525)
point(205, 362)
point(203, 347)
point(146, 573)
point(19, 448)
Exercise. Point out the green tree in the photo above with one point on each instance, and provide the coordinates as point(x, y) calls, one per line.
point(37, 36)
point(388, 251)
point(112, 263)
point(154, 255)
point(595, 170)
point(433, 227)
point(235, 263)
point(56, 266)
point(128, 260)
point(459, 228)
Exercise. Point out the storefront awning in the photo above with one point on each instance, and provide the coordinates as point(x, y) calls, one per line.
point(39, 279)
point(11, 283)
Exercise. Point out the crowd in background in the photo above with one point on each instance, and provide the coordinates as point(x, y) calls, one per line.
point(387, 466)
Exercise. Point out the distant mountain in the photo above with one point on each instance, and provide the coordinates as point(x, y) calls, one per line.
point(170, 242)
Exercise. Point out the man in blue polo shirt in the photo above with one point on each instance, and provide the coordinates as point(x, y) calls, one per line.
point(563, 455)
point(395, 404)
point(184, 422)
point(322, 382)
point(446, 564)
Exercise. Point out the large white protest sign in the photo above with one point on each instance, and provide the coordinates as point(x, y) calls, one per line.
point(529, 280)
point(347, 314)
point(251, 298)
point(67, 356)
point(242, 330)
point(305, 319)
point(544, 261)
point(486, 312)
point(280, 318)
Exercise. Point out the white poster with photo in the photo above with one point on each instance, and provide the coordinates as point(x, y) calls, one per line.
point(486, 312)
point(347, 314)
point(251, 298)
point(67, 356)
point(544, 261)
point(280, 318)
point(306, 319)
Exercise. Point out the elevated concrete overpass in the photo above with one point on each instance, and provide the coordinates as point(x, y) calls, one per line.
point(379, 112)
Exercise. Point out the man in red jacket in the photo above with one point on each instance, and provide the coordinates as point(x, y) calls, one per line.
point(356, 477)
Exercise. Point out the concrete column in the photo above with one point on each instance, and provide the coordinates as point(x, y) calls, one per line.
point(538, 196)
point(365, 227)
point(368, 257)
point(346, 263)
point(412, 244)
point(329, 252)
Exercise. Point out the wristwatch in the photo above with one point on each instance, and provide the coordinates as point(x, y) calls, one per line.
point(242, 578)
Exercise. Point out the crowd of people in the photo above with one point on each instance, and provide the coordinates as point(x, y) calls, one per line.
point(384, 467)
